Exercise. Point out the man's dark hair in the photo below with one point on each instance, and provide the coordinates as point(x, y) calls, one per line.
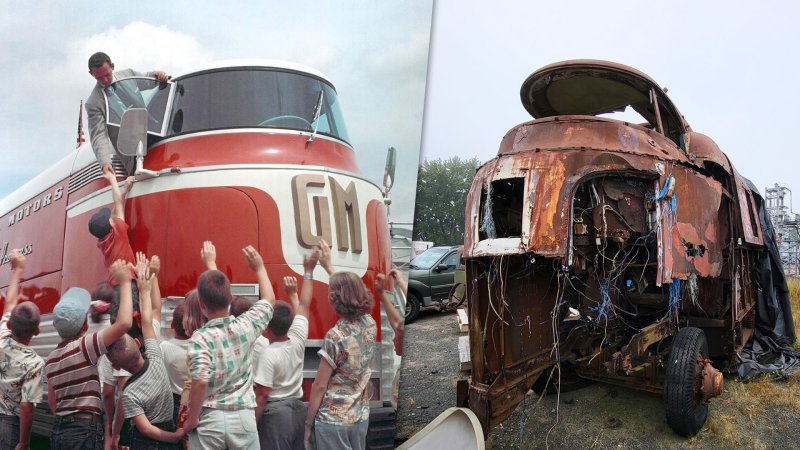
point(177, 321)
point(24, 320)
point(135, 330)
point(98, 59)
point(115, 302)
point(214, 290)
point(103, 291)
point(240, 304)
point(282, 316)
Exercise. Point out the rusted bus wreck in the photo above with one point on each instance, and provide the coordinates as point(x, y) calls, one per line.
point(613, 251)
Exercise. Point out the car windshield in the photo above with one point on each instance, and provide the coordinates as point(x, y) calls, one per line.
point(138, 93)
point(428, 258)
point(256, 98)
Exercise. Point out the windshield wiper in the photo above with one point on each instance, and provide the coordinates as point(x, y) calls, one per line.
point(317, 110)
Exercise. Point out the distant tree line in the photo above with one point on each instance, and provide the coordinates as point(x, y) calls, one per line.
point(442, 187)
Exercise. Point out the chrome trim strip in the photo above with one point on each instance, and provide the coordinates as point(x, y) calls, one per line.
point(168, 174)
point(251, 130)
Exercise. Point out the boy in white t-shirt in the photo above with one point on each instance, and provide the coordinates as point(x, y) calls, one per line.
point(278, 367)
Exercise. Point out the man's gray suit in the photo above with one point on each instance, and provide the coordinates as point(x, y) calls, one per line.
point(98, 132)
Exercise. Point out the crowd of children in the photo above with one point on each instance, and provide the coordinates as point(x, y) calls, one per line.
point(230, 378)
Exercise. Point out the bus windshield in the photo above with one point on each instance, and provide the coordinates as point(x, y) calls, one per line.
point(253, 98)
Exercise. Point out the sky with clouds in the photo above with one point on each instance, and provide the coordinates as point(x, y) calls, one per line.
point(730, 67)
point(376, 54)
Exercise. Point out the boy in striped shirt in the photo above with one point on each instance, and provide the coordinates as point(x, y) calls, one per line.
point(73, 385)
point(147, 398)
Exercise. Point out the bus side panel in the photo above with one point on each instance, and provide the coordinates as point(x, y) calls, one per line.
point(225, 216)
point(380, 258)
point(36, 228)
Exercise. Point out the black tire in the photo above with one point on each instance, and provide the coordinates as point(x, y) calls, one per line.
point(686, 413)
point(413, 304)
point(548, 381)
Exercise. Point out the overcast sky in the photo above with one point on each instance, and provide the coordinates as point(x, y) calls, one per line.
point(731, 69)
point(375, 53)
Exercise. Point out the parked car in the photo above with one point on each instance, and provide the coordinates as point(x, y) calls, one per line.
point(431, 278)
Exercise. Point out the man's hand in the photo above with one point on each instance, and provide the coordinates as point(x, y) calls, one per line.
point(290, 285)
point(310, 261)
point(209, 255)
point(155, 265)
point(120, 271)
point(161, 76)
point(253, 258)
point(325, 256)
point(108, 173)
point(17, 260)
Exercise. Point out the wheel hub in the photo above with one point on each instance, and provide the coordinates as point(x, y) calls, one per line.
point(711, 380)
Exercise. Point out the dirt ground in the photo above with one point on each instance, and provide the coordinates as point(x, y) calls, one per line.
point(763, 414)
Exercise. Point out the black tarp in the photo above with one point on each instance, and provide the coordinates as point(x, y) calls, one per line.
point(770, 350)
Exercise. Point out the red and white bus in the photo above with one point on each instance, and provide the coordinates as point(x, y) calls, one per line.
point(241, 152)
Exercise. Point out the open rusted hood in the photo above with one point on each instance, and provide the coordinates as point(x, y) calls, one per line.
point(592, 87)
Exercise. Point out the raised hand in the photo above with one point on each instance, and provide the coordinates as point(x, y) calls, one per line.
point(120, 271)
point(253, 258)
point(108, 173)
point(17, 260)
point(310, 261)
point(144, 276)
point(380, 283)
point(290, 285)
point(325, 256)
point(209, 255)
point(155, 265)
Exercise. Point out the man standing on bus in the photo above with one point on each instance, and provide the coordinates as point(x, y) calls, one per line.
point(102, 69)
point(21, 383)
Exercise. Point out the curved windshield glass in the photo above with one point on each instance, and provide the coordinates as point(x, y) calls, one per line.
point(138, 93)
point(428, 258)
point(255, 98)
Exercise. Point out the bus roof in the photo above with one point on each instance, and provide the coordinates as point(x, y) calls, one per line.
point(260, 63)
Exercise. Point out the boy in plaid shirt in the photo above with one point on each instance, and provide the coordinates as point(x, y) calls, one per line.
point(222, 401)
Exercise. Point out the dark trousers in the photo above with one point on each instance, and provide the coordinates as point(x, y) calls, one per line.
point(176, 407)
point(76, 434)
point(9, 432)
point(282, 425)
point(142, 442)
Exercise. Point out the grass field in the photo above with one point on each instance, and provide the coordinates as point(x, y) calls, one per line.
point(745, 405)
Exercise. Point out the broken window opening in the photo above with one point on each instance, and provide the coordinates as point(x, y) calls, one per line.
point(501, 209)
point(752, 212)
point(629, 115)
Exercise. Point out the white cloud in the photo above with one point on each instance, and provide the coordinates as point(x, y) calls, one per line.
point(40, 111)
point(143, 46)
